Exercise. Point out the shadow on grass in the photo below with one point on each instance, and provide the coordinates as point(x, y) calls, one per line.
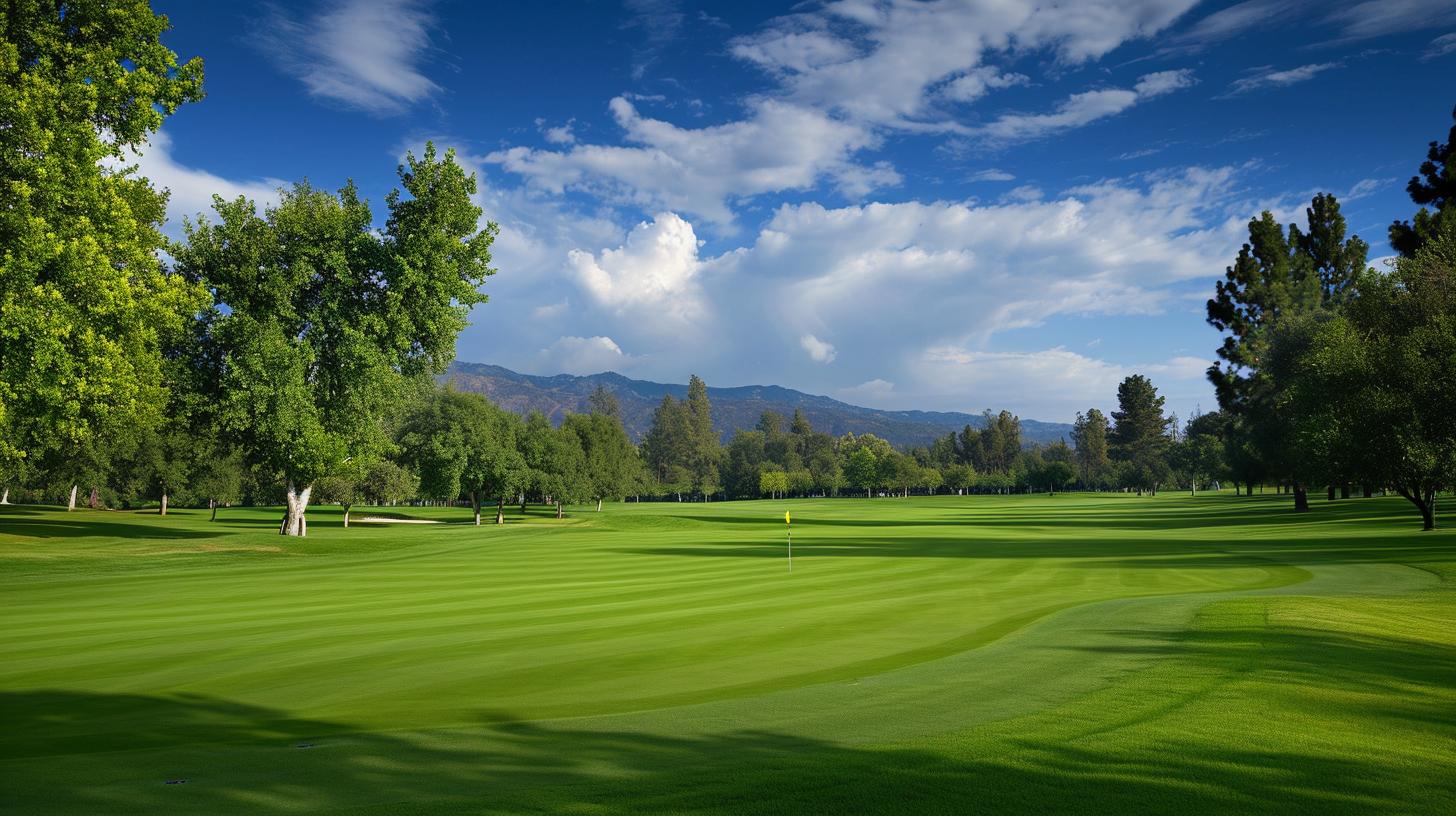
point(75, 752)
point(49, 522)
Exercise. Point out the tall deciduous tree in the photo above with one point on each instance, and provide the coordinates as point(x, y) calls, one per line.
point(85, 303)
point(320, 321)
point(462, 444)
point(609, 458)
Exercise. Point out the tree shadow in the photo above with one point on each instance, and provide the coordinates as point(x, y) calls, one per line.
point(76, 752)
point(60, 524)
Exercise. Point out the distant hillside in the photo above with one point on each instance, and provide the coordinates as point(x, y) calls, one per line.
point(733, 408)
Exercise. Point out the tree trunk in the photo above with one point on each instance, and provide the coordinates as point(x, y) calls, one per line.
point(346, 514)
point(294, 521)
point(71, 505)
point(1330, 493)
point(1344, 490)
point(5, 496)
point(500, 510)
point(1367, 490)
point(559, 512)
point(213, 504)
point(163, 511)
point(1301, 498)
point(1425, 501)
point(523, 504)
point(475, 507)
point(599, 505)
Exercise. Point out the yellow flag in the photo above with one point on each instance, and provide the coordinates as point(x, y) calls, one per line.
point(786, 517)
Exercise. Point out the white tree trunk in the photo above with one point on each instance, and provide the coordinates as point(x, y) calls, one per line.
point(346, 514)
point(599, 505)
point(71, 505)
point(294, 521)
point(500, 510)
point(164, 504)
point(5, 496)
point(475, 507)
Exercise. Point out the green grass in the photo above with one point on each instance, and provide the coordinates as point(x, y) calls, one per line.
point(1097, 654)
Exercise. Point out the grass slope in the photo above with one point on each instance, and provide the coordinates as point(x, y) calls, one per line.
point(944, 655)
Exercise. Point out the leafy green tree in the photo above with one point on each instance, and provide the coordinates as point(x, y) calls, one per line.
point(773, 482)
point(1435, 186)
point(705, 447)
point(1052, 474)
point(801, 482)
point(388, 482)
point(862, 470)
point(342, 489)
point(959, 477)
point(1140, 433)
point(462, 444)
point(218, 480)
point(86, 306)
point(1371, 389)
point(743, 462)
point(555, 462)
point(610, 459)
point(321, 323)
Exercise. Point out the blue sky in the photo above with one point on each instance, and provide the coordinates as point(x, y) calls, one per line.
point(937, 205)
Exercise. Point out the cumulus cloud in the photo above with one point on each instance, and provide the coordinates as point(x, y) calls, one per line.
point(871, 393)
point(654, 273)
point(1267, 77)
point(1082, 109)
point(583, 355)
point(363, 54)
point(818, 350)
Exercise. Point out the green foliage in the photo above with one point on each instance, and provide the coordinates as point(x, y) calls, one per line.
point(1139, 437)
point(462, 444)
point(320, 324)
point(86, 307)
point(388, 482)
point(610, 459)
point(1089, 435)
point(1434, 186)
point(773, 482)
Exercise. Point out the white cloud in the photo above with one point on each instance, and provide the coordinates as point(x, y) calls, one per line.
point(991, 174)
point(654, 273)
point(1050, 383)
point(1377, 18)
point(560, 134)
point(363, 54)
point(871, 392)
point(191, 189)
point(1235, 19)
point(1267, 77)
point(698, 170)
point(978, 82)
point(818, 350)
point(1440, 47)
point(882, 63)
point(583, 355)
point(1082, 109)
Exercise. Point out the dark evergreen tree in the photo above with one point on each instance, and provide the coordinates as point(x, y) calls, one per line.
point(1434, 187)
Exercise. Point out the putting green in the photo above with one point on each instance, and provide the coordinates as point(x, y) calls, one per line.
point(954, 654)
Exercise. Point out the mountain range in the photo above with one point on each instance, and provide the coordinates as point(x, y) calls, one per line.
point(733, 408)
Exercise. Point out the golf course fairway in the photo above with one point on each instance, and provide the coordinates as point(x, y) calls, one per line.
point(1075, 653)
